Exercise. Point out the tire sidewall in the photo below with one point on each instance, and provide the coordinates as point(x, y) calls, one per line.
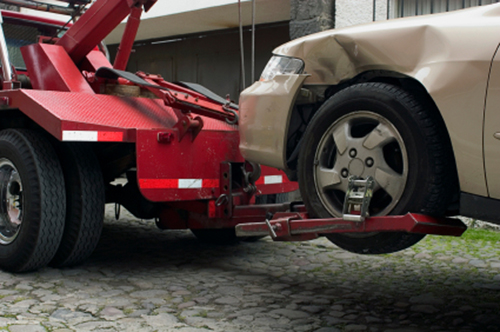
point(401, 110)
point(378, 101)
point(16, 252)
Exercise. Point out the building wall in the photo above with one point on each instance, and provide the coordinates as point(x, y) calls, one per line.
point(310, 16)
point(352, 12)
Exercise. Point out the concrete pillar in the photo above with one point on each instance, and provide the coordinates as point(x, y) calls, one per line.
point(310, 16)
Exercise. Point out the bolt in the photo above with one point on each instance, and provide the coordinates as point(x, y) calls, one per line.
point(369, 162)
point(344, 172)
point(353, 153)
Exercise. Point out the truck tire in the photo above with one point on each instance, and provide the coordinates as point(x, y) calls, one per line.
point(33, 201)
point(379, 130)
point(85, 200)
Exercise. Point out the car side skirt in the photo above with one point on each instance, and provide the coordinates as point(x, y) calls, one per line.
point(479, 207)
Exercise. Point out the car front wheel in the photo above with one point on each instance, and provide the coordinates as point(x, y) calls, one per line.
point(378, 130)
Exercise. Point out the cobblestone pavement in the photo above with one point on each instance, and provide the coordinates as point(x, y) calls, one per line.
point(144, 279)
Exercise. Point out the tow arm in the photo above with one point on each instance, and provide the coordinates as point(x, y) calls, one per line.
point(297, 225)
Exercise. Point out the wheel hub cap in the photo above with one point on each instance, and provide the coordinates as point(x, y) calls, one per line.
point(11, 202)
point(356, 167)
point(361, 143)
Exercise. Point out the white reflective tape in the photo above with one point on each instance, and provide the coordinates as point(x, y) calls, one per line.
point(272, 179)
point(190, 183)
point(79, 135)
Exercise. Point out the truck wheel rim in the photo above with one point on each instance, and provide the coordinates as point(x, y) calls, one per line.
point(11, 207)
point(361, 143)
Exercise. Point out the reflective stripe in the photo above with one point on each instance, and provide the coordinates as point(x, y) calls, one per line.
point(272, 179)
point(79, 136)
point(190, 183)
point(92, 136)
point(158, 183)
point(178, 183)
point(110, 136)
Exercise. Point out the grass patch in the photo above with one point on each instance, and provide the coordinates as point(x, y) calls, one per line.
point(8, 316)
point(203, 314)
point(19, 299)
point(481, 235)
point(128, 311)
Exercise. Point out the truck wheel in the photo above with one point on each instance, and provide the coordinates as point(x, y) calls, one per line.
point(378, 130)
point(85, 200)
point(33, 201)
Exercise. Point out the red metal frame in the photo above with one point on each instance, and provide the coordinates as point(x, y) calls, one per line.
point(67, 102)
point(125, 47)
point(33, 18)
point(297, 226)
point(95, 24)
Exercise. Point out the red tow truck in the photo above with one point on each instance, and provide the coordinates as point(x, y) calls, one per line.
point(72, 123)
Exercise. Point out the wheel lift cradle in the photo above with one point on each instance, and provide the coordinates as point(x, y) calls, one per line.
point(297, 225)
point(189, 161)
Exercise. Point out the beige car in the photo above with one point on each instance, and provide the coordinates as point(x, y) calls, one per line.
point(412, 102)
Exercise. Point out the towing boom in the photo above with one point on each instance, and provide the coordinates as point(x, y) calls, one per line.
point(96, 23)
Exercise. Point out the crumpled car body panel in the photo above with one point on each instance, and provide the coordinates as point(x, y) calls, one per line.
point(264, 117)
point(450, 54)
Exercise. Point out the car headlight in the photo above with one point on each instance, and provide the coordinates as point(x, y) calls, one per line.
point(279, 65)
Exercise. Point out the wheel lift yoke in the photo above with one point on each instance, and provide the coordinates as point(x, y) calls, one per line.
point(297, 225)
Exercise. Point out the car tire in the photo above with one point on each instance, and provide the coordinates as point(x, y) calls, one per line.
point(84, 206)
point(33, 201)
point(380, 130)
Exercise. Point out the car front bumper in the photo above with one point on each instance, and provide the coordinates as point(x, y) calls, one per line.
point(265, 111)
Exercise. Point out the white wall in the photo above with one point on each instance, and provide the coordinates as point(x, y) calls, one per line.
point(352, 12)
point(166, 7)
point(161, 8)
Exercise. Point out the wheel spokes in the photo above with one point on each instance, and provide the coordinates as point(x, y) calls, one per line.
point(362, 144)
point(341, 137)
point(10, 205)
point(328, 178)
point(379, 137)
point(389, 180)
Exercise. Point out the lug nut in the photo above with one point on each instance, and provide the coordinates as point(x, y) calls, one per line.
point(344, 173)
point(353, 153)
point(369, 162)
